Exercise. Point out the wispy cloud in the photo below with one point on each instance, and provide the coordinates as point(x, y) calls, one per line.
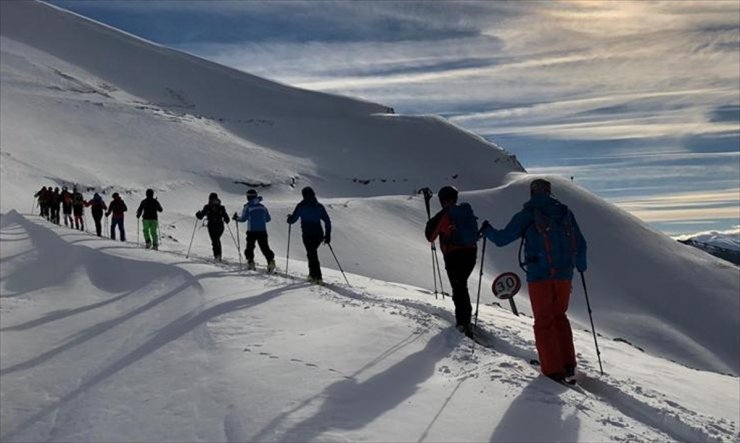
point(648, 91)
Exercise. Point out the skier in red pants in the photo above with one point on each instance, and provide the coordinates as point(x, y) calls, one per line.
point(554, 245)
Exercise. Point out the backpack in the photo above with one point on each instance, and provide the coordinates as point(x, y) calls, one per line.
point(77, 199)
point(464, 225)
point(558, 239)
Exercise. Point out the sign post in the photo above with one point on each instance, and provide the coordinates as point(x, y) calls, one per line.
point(505, 287)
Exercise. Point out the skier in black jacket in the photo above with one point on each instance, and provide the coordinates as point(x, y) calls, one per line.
point(216, 214)
point(148, 210)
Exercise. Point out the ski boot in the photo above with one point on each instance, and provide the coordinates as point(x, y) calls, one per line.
point(465, 329)
point(148, 245)
point(251, 266)
point(271, 266)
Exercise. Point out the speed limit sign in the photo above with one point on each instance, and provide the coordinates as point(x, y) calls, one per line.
point(506, 285)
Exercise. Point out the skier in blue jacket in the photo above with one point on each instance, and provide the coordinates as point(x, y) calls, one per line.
point(257, 216)
point(553, 246)
point(312, 213)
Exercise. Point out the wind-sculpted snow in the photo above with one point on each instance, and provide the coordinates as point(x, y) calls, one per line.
point(189, 351)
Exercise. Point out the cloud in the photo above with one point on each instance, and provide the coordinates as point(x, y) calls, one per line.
point(723, 204)
point(631, 97)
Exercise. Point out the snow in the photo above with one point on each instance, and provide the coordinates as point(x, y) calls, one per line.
point(119, 335)
point(728, 239)
point(103, 341)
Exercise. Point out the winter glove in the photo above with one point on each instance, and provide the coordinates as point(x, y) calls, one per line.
point(327, 239)
point(582, 268)
point(198, 215)
point(235, 216)
point(288, 218)
point(483, 228)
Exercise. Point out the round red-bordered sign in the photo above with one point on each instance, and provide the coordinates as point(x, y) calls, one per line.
point(506, 285)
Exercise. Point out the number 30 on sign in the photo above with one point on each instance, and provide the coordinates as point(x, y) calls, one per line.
point(506, 285)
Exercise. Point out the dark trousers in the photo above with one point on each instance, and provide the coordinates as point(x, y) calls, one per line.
point(67, 215)
point(115, 221)
point(260, 238)
point(55, 213)
point(98, 225)
point(215, 231)
point(459, 265)
point(312, 243)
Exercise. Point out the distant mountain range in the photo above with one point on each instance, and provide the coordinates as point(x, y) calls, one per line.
point(722, 244)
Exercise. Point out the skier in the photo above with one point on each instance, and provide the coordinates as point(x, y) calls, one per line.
point(98, 207)
point(148, 212)
point(216, 214)
point(42, 196)
point(553, 246)
point(257, 215)
point(457, 228)
point(78, 209)
point(67, 206)
point(117, 207)
point(56, 201)
point(311, 213)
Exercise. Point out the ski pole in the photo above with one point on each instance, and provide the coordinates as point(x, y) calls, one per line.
point(33, 207)
point(238, 244)
point(340, 266)
point(480, 283)
point(234, 240)
point(435, 259)
point(590, 316)
point(439, 273)
point(287, 256)
point(192, 237)
point(434, 273)
point(137, 232)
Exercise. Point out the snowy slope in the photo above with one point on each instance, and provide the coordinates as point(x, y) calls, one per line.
point(83, 103)
point(114, 343)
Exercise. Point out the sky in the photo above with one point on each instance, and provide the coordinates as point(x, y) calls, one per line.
point(637, 101)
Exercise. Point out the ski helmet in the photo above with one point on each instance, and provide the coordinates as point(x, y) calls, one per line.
point(213, 196)
point(115, 195)
point(540, 186)
point(447, 194)
point(251, 194)
point(150, 193)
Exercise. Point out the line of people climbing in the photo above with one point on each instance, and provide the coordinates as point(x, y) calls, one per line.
point(73, 203)
point(552, 242)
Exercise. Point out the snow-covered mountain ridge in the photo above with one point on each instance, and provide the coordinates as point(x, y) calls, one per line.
point(88, 336)
point(722, 244)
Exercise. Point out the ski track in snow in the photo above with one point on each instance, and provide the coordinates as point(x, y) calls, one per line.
point(502, 360)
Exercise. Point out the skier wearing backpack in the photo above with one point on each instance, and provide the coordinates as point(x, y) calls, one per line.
point(117, 208)
point(148, 210)
point(553, 246)
point(457, 228)
point(257, 216)
point(78, 209)
point(216, 214)
point(312, 213)
point(97, 207)
point(67, 206)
